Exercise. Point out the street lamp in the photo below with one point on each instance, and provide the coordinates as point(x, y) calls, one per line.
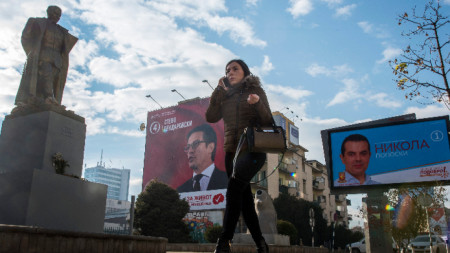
point(425, 200)
point(312, 224)
point(206, 81)
point(148, 96)
point(174, 90)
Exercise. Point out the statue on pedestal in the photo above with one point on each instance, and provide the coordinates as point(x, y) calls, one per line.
point(47, 46)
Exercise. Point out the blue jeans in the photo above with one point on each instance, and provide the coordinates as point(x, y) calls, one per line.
point(239, 193)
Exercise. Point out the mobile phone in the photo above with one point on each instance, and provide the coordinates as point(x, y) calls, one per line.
point(226, 82)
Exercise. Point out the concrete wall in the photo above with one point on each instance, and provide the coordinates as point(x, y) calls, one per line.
point(37, 240)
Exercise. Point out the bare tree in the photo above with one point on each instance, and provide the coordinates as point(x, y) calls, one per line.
point(425, 66)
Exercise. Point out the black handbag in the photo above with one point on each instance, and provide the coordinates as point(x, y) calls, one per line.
point(271, 139)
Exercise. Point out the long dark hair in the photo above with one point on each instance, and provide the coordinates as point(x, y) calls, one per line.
point(242, 64)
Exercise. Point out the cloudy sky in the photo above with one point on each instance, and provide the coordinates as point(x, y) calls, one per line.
point(325, 60)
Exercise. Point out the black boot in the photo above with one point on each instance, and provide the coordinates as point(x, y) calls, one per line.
point(222, 246)
point(262, 246)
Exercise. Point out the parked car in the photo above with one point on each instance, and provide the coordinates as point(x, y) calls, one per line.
point(422, 244)
point(356, 247)
point(360, 247)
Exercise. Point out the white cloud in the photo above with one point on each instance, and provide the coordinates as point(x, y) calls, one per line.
point(428, 111)
point(345, 11)
point(369, 28)
point(349, 93)
point(129, 133)
point(332, 3)
point(366, 26)
point(95, 126)
point(265, 67)
point(315, 70)
point(390, 53)
point(10, 79)
point(300, 7)
point(239, 30)
point(352, 93)
point(338, 70)
point(252, 2)
point(205, 13)
point(289, 92)
point(383, 100)
point(136, 181)
point(83, 52)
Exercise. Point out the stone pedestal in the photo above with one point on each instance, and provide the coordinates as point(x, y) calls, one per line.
point(31, 193)
point(28, 141)
point(48, 200)
point(272, 239)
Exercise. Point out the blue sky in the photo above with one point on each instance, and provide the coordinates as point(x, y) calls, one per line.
point(324, 59)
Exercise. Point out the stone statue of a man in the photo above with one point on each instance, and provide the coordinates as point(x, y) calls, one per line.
point(47, 46)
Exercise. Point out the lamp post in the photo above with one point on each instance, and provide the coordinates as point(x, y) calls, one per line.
point(149, 96)
point(425, 200)
point(311, 223)
point(206, 81)
point(174, 90)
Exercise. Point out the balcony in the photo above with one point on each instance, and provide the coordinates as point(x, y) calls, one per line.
point(289, 183)
point(316, 170)
point(319, 183)
point(282, 167)
point(340, 198)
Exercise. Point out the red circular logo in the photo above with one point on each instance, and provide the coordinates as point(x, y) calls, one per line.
point(218, 198)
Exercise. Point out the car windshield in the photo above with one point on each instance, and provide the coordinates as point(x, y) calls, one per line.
point(424, 239)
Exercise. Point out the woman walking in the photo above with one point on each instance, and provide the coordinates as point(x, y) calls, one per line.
point(241, 102)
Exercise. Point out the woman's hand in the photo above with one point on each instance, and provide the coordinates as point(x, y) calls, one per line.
point(253, 99)
point(222, 84)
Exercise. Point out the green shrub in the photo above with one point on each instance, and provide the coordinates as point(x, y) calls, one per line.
point(159, 212)
point(213, 233)
point(287, 228)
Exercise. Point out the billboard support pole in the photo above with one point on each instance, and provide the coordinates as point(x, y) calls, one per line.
point(378, 234)
point(131, 215)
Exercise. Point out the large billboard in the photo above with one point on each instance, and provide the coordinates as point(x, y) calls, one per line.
point(411, 152)
point(180, 142)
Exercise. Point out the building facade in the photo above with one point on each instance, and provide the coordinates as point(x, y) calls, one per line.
point(117, 180)
point(293, 174)
point(117, 214)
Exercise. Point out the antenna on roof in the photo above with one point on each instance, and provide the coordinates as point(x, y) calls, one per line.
point(101, 160)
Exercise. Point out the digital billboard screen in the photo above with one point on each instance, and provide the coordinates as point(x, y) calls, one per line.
point(387, 155)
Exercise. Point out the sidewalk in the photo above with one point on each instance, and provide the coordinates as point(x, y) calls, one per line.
point(240, 248)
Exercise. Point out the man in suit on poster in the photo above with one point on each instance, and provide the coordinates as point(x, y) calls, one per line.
point(355, 155)
point(200, 151)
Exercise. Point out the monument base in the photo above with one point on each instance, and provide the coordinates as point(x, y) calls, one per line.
point(272, 239)
point(52, 201)
point(29, 139)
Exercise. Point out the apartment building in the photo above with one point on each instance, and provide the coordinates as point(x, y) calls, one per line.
point(293, 174)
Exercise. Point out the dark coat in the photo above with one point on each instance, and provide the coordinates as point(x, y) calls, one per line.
point(218, 180)
point(236, 112)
